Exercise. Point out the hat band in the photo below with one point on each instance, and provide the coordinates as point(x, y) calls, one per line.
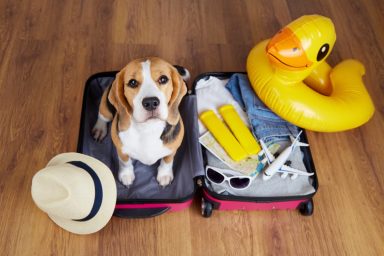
point(98, 189)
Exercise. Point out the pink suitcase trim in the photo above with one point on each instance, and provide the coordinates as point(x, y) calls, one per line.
point(241, 205)
point(172, 206)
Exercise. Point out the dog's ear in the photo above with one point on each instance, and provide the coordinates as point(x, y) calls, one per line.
point(178, 92)
point(117, 98)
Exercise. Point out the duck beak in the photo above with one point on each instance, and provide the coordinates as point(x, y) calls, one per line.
point(286, 51)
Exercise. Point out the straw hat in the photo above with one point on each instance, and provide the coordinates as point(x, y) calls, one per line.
point(78, 192)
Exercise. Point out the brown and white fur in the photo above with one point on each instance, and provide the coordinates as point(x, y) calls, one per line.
point(146, 125)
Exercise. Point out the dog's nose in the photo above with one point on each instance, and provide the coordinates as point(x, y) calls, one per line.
point(150, 103)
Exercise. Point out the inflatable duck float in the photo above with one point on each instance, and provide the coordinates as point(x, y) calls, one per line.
point(290, 75)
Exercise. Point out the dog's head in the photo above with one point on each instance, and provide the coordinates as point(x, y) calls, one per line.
point(146, 89)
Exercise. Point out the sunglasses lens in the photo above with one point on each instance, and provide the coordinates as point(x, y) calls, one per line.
point(239, 182)
point(214, 176)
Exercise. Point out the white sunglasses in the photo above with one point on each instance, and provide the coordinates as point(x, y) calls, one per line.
point(235, 181)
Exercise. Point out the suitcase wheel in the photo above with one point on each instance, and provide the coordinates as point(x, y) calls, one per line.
point(306, 208)
point(206, 208)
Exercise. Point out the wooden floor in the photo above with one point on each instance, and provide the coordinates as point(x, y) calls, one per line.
point(49, 48)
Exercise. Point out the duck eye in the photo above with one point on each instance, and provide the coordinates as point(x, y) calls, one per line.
point(322, 52)
point(163, 80)
point(133, 83)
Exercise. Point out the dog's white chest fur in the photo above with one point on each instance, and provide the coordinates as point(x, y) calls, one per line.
point(142, 141)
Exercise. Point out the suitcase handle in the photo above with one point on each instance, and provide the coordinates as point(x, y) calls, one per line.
point(140, 212)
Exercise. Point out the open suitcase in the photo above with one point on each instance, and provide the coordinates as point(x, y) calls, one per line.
point(145, 198)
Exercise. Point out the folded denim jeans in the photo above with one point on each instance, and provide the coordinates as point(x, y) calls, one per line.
point(265, 124)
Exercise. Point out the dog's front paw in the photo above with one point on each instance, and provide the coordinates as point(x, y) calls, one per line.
point(100, 130)
point(164, 180)
point(126, 176)
point(164, 174)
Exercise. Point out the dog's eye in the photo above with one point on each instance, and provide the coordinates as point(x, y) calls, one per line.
point(163, 80)
point(133, 83)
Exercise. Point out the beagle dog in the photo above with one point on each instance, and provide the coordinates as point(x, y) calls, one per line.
point(142, 104)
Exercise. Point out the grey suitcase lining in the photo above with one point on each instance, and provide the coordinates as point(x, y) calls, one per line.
point(188, 162)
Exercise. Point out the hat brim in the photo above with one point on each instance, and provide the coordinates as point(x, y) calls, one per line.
point(109, 195)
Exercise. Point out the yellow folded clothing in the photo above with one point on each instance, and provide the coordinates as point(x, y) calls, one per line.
point(239, 143)
point(238, 128)
point(223, 135)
